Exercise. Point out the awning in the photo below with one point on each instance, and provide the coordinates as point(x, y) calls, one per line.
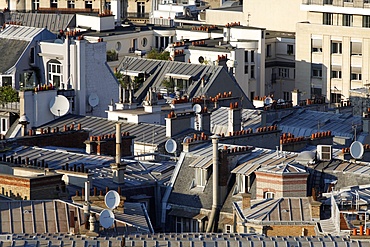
point(131, 72)
point(202, 162)
point(178, 76)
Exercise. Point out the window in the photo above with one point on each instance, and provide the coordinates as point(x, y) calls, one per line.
point(241, 183)
point(268, 195)
point(71, 4)
point(6, 81)
point(252, 95)
point(316, 45)
point(366, 1)
point(140, 9)
point(336, 47)
point(336, 74)
point(327, 19)
point(268, 50)
point(290, 50)
point(246, 56)
point(54, 4)
point(88, 5)
point(328, 1)
point(356, 73)
point(186, 225)
point(283, 73)
point(347, 20)
point(252, 72)
point(317, 70)
point(201, 176)
point(32, 55)
point(245, 69)
point(252, 56)
point(366, 21)
point(3, 124)
point(55, 74)
point(228, 228)
point(144, 42)
point(35, 4)
point(335, 97)
point(356, 77)
point(286, 96)
point(356, 48)
point(348, 1)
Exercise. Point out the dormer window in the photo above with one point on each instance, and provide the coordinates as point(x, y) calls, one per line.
point(201, 177)
point(241, 183)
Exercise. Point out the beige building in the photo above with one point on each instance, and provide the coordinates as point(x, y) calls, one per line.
point(333, 49)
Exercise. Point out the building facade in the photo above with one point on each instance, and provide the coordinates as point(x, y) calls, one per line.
point(333, 49)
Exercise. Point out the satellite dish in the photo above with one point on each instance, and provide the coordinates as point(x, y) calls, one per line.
point(112, 199)
point(185, 139)
point(58, 41)
point(201, 59)
point(356, 150)
point(197, 108)
point(268, 101)
point(170, 146)
point(93, 100)
point(280, 101)
point(59, 105)
point(106, 218)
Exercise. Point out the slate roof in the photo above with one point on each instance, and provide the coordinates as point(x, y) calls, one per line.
point(283, 210)
point(304, 122)
point(53, 22)
point(216, 77)
point(20, 32)
point(137, 173)
point(43, 216)
point(10, 50)
point(181, 239)
point(102, 126)
point(219, 119)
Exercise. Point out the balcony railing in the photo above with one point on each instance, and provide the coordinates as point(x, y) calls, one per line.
point(67, 10)
point(11, 106)
point(137, 15)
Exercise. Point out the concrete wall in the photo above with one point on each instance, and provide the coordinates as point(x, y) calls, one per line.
point(96, 23)
point(280, 15)
point(292, 230)
point(221, 17)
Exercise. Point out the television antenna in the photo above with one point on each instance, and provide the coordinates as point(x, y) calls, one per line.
point(59, 105)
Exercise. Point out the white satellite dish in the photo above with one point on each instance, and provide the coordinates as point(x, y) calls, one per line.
point(59, 105)
point(268, 101)
point(186, 138)
point(106, 218)
point(112, 199)
point(356, 150)
point(170, 146)
point(93, 100)
point(197, 108)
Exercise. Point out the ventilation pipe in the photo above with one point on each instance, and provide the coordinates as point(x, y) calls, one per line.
point(118, 168)
point(213, 219)
point(118, 143)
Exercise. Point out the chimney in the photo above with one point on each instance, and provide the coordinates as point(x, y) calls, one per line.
point(315, 208)
point(296, 97)
point(234, 118)
point(366, 123)
point(177, 123)
point(212, 223)
point(118, 168)
point(246, 201)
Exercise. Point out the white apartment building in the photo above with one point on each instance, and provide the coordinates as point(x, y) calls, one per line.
point(333, 48)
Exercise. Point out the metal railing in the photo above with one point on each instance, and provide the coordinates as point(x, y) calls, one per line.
point(137, 15)
point(12, 106)
point(67, 10)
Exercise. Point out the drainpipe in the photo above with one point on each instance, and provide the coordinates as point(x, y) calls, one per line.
point(212, 223)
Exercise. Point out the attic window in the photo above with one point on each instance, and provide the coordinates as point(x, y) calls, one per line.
point(268, 195)
point(241, 183)
point(201, 176)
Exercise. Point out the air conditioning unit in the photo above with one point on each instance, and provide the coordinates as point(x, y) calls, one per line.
point(324, 152)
